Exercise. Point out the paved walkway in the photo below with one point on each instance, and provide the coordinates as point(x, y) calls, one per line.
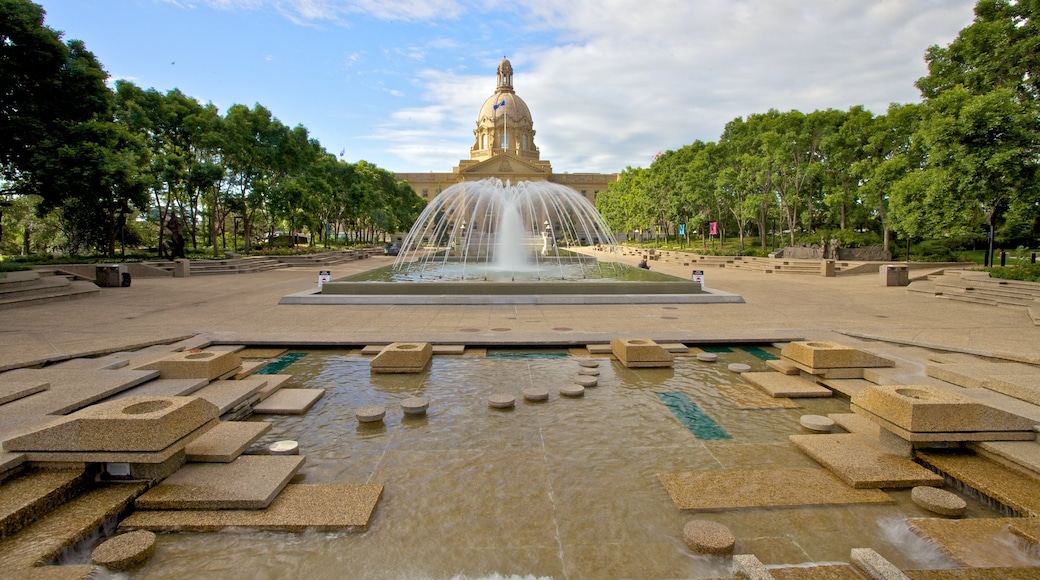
point(244, 308)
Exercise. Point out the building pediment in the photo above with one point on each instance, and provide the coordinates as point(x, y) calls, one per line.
point(504, 166)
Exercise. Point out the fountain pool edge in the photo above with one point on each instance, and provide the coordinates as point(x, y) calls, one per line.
point(518, 293)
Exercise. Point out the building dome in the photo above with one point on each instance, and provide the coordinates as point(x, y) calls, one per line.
point(504, 123)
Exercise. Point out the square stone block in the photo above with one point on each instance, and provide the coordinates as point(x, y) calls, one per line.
point(130, 424)
point(926, 409)
point(195, 365)
point(641, 353)
point(289, 402)
point(403, 357)
point(818, 354)
point(780, 385)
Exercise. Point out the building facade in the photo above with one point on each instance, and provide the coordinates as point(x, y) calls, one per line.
point(504, 148)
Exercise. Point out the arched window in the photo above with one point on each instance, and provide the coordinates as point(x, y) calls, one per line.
point(525, 141)
point(483, 141)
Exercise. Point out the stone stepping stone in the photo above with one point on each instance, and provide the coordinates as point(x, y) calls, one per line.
point(779, 385)
point(125, 551)
point(707, 357)
point(586, 382)
point(707, 537)
point(300, 507)
point(536, 394)
point(501, 401)
point(572, 391)
point(588, 363)
point(285, 447)
point(225, 441)
point(863, 463)
point(599, 349)
point(817, 423)
point(739, 367)
point(227, 395)
point(370, 414)
point(289, 402)
point(726, 490)
point(938, 501)
point(415, 406)
point(589, 372)
point(250, 482)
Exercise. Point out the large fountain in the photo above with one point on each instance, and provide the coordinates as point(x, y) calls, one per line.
point(489, 242)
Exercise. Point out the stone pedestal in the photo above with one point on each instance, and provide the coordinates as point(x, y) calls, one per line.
point(819, 354)
point(641, 352)
point(827, 268)
point(403, 357)
point(894, 275)
point(208, 365)
point(181, 268)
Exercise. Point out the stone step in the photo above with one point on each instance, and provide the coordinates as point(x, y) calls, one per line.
point(15, 280)
point(248, 482)
point(26, 497)
point(49, 292)
point(45, 539)
point(1009, 487)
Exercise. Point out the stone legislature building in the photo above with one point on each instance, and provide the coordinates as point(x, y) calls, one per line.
point(504, 147)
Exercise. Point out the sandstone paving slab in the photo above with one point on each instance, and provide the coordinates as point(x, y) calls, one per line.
point(274, 382)
point(1025, 387)
point(829, 355)
point(863, 463)
point(70, 389)
point(163, 456)
point(248, 368)
point(1028, 529)
point(248, 482)
point(724, 490)
point(261, 353)
point(15, 390)
point(676, 348)
point(224, 442)
point(228, 394)
point(449, 349)
point(108, 363)
point(974, 375)
point(783, 367)
point(9, 461)
point(289, 402)
point(748, 397)
point(925, 409)
point(164, 388)
point(1007, 486)
point(42, 489)
point(77, 519)
point(847, 387)
point(599, 349)
point(81, 572)
point(975, 542)
point(300, 507)
point(854, 423)
point(373, 349)
point(779, 385)
point(1020, 454)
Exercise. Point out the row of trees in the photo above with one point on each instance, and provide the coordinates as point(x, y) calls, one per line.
point(107, 166)
point(962, 163)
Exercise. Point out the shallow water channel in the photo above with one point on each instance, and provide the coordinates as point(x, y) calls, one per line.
point(563, 489)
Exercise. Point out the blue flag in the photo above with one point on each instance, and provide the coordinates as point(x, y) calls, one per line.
point(502, 104)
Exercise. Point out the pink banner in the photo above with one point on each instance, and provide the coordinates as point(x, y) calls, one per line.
point(714, 228)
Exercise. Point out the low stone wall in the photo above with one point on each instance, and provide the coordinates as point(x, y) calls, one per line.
point(815, 252)
point(510, 288)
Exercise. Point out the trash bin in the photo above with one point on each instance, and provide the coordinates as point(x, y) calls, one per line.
point(107, 276)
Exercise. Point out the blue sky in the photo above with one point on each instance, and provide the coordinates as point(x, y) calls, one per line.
point(609, 82)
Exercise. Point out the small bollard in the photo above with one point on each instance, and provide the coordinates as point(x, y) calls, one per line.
point(1003, 258)
point(1032, 258)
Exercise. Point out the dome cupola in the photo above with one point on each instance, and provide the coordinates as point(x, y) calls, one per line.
point(504, 123)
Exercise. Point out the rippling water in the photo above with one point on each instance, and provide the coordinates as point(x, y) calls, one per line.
point(561, 489)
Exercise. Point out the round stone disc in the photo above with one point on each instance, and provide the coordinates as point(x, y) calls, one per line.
point(707, 356)
point(536, 394)
point(817, 423)
point(708, 537)
point(739, 367)
point(287, 447)
point(125, 551)
point(415, 406)
point(588, 372)
point(501, 401)
point(572, 391)
point(588, 363)
point(586, 381)
point(370, 414)
point(938, 501)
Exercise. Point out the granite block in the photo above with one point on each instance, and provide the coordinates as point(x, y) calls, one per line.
point(300, 507)
point(641, 353)
point(70, 389)
point(1020, 386)
point(783, 367)
point(248, 482)
point(827, 355)
point(15, 390)
point(873, 565)
point(854, 423)
point(225, 441)
point(926, 409)
point(289, 402)
point(779, 385)
point(403, 357)
point(863, 463)
point(160, 460)
point(131, 424)
point(725, 490)
point(195, 365)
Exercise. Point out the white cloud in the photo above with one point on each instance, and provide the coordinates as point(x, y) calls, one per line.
point(629, 78)
point(312, 11)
